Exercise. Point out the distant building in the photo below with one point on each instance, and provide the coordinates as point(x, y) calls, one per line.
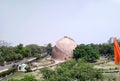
point(63, 50)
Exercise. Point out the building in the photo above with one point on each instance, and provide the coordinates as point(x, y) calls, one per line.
point(63, 50)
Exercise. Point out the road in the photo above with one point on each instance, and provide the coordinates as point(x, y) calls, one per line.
point(50, 65)
point(6, 67)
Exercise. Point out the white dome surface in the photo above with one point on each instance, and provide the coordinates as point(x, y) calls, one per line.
point(63, 49)
point(66, 44)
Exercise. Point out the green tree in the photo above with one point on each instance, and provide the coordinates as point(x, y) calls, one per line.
point(37, 55)
point(25, 52)
point(85, 52)
point(47, 73)
point(49, 49)
point(28, 69)
point(71, 71)
point(18, 57)
point(34, 48)
point(1, 60)
point(20, 50)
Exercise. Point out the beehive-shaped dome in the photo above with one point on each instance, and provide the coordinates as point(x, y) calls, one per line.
point(63, 49)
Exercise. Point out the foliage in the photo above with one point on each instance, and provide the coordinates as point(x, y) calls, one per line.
point(105, 49)
point(47, 73)
point(34, 49)
point(28, 69)
point(85, 52)
point(29, 78)
point(9, 53)
point(7, 72)
point(71, 71)
point(13, 80)
point(26, 78)
point(49, 48)
point(4, 43)
point(37, 55)
point(23, 51)
point(1, 60)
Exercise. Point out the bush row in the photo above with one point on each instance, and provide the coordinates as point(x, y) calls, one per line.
point(109, 70)
point(7, 72)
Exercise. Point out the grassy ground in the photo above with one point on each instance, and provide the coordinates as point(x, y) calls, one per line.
point(102, 63)
point(45, 62)
point(37, 74)
point(20, 75)
point(109, 67)
point(111, 76)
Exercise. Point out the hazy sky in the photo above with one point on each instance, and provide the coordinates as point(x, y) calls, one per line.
point(45, 21)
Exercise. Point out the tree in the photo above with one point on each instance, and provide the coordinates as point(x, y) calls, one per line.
point(34, 48)
point(20, 50)
point(37, 55)
point(72, 71)
point(28, 69)
point(1, 60)
point(85, 52)
point(18, 56)
point(4, 43)
point(47, 72)
point(25, 52)
point(49, 49)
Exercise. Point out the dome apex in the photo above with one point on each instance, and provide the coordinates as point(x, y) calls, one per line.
point(64, 48)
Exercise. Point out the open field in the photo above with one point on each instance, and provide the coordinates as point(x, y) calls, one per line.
point(103, 63)
point(20, 75)
point(111, 76)
point(110, 70)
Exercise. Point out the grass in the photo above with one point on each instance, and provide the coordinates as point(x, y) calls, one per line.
point(37, 74)
point(111, 76)
point(102, 63)
point(20, 75)
point(106, 65)
point(45, 62)
point(17, 75)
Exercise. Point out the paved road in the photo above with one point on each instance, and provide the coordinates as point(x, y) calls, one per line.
point(3, 68)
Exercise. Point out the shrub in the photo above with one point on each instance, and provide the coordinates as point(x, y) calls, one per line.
point(7, 72)
point(28, 69)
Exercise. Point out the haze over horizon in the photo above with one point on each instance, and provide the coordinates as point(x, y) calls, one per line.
point(45, 21)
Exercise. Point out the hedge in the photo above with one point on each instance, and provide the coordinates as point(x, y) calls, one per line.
point(7, 72)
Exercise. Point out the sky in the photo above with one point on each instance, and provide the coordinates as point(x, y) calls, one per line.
point(45, 21)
